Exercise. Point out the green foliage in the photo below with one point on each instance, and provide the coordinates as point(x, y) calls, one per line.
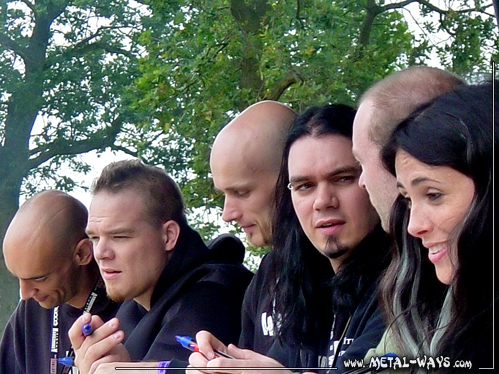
point(206, 61)
point(63, 73)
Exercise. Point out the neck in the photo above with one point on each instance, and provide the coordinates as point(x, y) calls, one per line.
point(144, 300)
point(90, 274)
point(336, 263)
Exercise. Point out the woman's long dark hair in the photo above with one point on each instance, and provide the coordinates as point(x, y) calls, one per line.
point(427, 317)
point(302, 276)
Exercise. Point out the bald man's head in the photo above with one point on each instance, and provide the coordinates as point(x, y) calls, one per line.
point(44, 246)
point(383, 107)
point(245, 161)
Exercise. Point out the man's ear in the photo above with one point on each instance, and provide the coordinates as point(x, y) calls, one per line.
point(171, 231)
point(84, 252)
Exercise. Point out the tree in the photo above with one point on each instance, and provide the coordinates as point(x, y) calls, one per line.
point(63, 72)
point(206, 61)
point(68, 66)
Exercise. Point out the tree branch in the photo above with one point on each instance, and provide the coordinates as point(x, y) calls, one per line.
point(99, 140)
point(373, 9)
point(289, 79)
point(116, 147)
point(8, 43)
point(432, 7)
point(29, 4)
point(85, 46)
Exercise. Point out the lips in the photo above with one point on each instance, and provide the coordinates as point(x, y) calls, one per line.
point(108, 273)
point(436, 251)
point(247, 227)
point(329, 226)
point(42, 299)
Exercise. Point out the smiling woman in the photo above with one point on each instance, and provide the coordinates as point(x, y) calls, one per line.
point(438, 290)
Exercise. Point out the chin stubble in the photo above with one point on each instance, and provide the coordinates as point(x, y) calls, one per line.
point(334, 248)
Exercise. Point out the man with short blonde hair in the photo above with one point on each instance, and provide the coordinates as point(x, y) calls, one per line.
point(381, 108)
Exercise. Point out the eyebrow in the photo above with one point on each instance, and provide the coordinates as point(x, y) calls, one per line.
point(36, 277)
point(417, 181)
point(341, 170)
point(113, 231)
point(237, 187)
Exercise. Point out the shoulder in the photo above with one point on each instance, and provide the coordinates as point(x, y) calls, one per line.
point(368, 311)
point(226, 247)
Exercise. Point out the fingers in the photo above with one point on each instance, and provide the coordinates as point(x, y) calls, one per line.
point(75, 332)
point(246, 354)
point(101, 332)
point(106, 364)
point(91, 349)
point(207, 344)
point(198, 360)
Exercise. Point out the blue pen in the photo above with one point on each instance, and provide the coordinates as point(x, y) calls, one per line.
point(86, 329)
point(66, 361)
point(190, 344)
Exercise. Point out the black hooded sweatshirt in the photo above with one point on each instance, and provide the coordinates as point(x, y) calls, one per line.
point(200, 288)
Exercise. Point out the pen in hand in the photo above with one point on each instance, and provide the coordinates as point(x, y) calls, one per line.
point(191, 345)
point(86, 330)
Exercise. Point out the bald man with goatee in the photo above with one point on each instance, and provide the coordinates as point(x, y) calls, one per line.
point(46, 248)
point(245, 160)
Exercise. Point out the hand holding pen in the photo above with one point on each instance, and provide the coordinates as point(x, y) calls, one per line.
point(242, 361)
point(102, 345)
point(190, 344)
point(86, 330)
point(208, 346)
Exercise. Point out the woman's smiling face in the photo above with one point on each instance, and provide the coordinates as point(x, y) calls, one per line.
point(439, 198)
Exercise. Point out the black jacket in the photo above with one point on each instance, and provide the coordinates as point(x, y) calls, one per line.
point(200, 288)
point(361, 321)
point(26, 342)
point(363, 332)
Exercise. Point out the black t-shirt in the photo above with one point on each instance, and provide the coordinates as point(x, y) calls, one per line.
point(28, 339)
point(258, 326)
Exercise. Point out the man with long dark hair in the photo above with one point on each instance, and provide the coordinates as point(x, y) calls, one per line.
point(324, 213)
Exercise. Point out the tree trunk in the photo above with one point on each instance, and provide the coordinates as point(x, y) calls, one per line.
point(9, 295)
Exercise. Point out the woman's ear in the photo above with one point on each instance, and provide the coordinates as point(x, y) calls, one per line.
point(84, 252)
point(171, 231)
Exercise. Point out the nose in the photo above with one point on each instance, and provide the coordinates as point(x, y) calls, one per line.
point(325, 197)
point(361, 182)
point(27, 291)
point(419, 223)
point(102, 249)
point(231, 210)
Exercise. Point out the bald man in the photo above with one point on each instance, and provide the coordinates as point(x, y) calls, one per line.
point(46, 248)
point(245, 160)
point(381, 108)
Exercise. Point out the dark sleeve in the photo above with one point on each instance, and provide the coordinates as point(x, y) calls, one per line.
point(365, 332)
point(258, 327)
point(12, 354)
point(248, 315)
point(207, 306)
